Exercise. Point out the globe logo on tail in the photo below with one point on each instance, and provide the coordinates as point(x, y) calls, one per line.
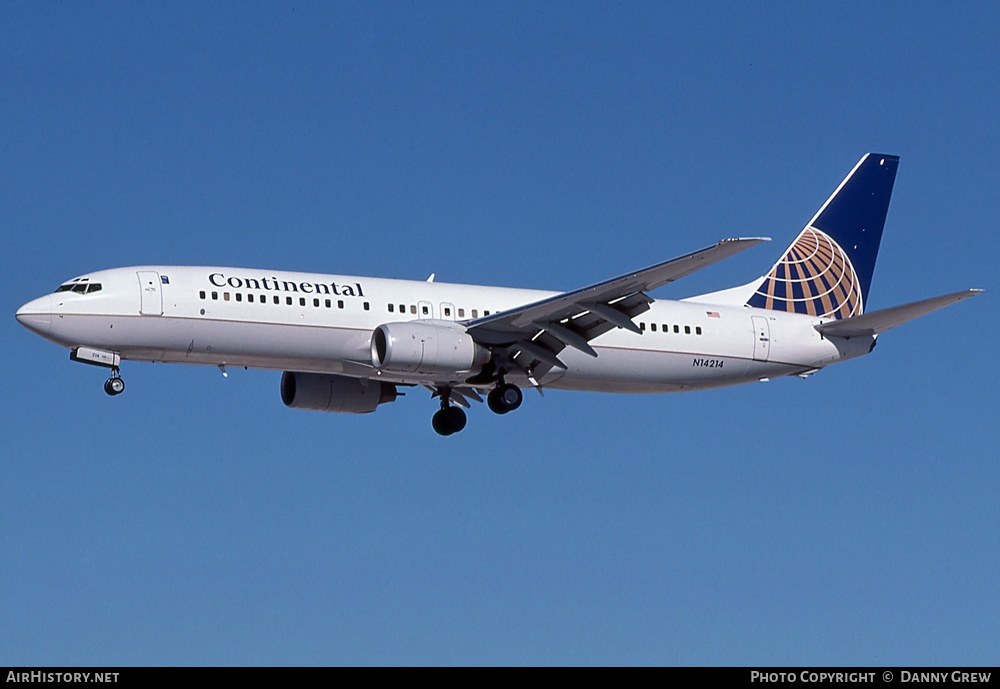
point(814, 277)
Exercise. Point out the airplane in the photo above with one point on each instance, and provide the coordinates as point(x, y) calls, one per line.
point(348, 344)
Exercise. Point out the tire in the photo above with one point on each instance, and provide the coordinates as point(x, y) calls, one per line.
point(440, 423)
point(504, 398)
point(495, 402)
point(114, 386)
point(511, 396)
point(456, 418)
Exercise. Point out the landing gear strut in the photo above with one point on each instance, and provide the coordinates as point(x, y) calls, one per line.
point(114, 385)
point(448, 419)
point(504, 398)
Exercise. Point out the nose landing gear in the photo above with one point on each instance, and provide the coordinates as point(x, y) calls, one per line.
point(114, 385)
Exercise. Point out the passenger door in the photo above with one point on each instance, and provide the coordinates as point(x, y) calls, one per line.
point(150, 294)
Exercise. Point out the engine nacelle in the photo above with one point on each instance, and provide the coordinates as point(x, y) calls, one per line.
point(323, 392)
point(426, 348)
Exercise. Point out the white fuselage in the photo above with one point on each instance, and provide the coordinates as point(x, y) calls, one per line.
point(315, 323)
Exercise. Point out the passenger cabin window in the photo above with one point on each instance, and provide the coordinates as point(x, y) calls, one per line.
point(391, 307)
point(697, 330)
point(413, 309)
point(288, 301)
point(239, 297)
point(225, 296)
point(687, 329)
point(367, 306)
point(461, 313)
point(277, 299)
point(677, 328)
point(652, 326)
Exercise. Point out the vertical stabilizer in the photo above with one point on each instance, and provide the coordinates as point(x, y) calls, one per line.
point(827, 270)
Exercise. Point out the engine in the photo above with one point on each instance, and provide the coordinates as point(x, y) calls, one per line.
point(322, 392)
point(440, 348)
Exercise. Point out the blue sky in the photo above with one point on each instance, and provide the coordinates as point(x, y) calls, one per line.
point(853, 518)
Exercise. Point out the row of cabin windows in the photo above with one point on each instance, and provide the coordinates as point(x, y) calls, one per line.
point(425, 310)
point(666, 328)
point(289, 301)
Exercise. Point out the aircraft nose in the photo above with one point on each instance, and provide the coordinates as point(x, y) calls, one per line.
point(36, 315)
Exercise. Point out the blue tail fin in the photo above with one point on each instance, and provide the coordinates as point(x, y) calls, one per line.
point(827, 270)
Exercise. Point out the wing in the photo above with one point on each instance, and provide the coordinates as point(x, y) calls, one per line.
point(879, 321)
point(531, 337)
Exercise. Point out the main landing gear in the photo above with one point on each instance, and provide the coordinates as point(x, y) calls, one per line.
point(449, 419)
point(504, 398)
point(114, 385)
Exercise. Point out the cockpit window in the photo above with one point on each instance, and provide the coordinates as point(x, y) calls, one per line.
point(80, 287)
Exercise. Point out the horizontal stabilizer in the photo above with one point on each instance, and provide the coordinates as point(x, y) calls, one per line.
point(879, 321)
